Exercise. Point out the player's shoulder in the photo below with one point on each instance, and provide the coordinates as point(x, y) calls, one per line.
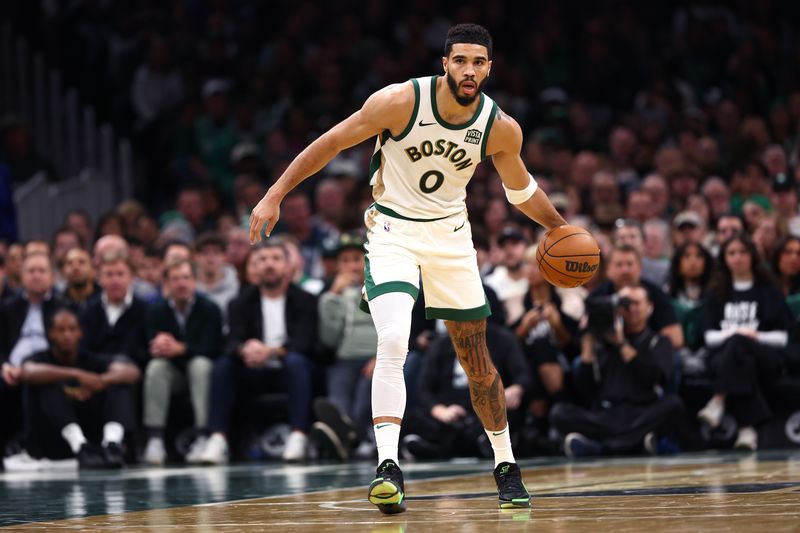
point(397, 94)
point(505, 133)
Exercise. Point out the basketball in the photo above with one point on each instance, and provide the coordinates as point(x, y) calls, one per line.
point(568, 256)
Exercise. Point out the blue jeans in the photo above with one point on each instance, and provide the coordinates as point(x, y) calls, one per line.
point(351, 392)
point(230, 375)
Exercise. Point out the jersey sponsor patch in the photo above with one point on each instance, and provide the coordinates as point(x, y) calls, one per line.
point(473, 136)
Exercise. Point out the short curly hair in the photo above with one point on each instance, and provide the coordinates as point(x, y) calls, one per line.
point(468, 33)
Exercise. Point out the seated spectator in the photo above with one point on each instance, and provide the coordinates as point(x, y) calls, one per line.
point(621, 374)
point(689, 274)
point(64, 240)
point(115, 323)
point(273, 330)
point(149, 274)
point(716, 191)
point(23, 317)
point(72, 393)
point(185, 336)
point(785, 200)
point(624, 269)
point(108, 245)
point(22, 334)
point(547, 333)
point(687, 226)
point(216, 279)
point(238, 250)
point(766, 236)
point(81, 288)
point(13, 271)
point(631, 233)
point(509, 280)
point(348, 330)
point(36, 246)
point(80, 221)
point(728, 225)
point(746, 323)
point(444, 423)
point(174, 250)
point(786, 266)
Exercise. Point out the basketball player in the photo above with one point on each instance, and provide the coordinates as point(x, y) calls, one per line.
point(431, 134)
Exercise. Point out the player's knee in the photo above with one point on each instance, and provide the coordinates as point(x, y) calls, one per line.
point(392, 344)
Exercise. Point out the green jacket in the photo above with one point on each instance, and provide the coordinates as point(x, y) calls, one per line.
point(345, 327)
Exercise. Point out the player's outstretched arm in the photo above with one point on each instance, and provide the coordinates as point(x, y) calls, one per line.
point(505, 145)
point(388, 108)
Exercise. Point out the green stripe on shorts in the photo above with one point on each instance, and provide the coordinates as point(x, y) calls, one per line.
point(374, 290)
point(458, 315)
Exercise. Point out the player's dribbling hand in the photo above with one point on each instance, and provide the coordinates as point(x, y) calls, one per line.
point(266, 212)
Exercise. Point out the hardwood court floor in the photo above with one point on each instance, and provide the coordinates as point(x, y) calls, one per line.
point(688, 493)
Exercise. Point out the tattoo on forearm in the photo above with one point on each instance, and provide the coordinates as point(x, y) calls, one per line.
point(485, 386)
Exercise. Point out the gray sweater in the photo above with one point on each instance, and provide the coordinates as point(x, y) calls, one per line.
point(342, 325)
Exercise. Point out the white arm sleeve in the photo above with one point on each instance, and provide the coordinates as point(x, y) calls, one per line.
point(516, 196)
point(715, 337)
point(776, 338)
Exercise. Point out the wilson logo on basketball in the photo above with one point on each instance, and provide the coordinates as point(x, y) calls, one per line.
point(576, 266)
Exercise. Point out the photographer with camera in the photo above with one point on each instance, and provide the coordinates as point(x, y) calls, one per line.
point(623, 366)
point(624, 269)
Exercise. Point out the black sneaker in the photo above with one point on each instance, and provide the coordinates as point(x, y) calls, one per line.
point(345, 430)
point(112, 453)
point(511, 489)
point(386, 490)
point(328, 442)
point(90, 458)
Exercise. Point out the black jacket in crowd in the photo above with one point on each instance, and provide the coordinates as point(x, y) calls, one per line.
point(246, 321)
point(762, 307)
point(436, 380)
point(126, 337)
point(663, 313)
point(611, 381)
point(203, 331)
point(13, 312)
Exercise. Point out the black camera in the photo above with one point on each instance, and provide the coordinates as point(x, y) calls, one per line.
point(601, 310)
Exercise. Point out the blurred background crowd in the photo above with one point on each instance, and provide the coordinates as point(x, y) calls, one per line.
point(670, 131)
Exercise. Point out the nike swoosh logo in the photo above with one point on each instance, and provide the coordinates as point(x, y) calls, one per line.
point(498, 434)
point(428, 124)
point(461, 226)
point(379, 426)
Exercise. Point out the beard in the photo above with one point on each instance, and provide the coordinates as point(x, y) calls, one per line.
point(271, 281)
point(463, 100)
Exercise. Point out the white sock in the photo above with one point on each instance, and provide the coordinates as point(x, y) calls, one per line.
point(74, 436)
point(113, 432)
point(387, 436)
point(501, 444)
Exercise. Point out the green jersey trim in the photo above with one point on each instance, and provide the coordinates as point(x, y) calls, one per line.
point(442, 122)
point(488, 130)
point(413, 118)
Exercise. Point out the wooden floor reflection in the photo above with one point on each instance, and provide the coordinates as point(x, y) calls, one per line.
point(686, 494)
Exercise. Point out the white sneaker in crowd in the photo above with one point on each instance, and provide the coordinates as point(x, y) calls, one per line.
point(154, 453)
point(196, 450)
point(22, 462)
point(215, 451)
point(712, 413)
point(296, 447)
point(747, 439)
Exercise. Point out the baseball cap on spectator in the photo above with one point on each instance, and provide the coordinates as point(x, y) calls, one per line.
point(329, 247)
point(688, 218)
point(782, 183)
point(350, 241)
point(243, 150)
point(214, 86)
point(510, 233)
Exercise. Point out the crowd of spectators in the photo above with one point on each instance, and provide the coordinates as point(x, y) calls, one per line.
point(671, 132)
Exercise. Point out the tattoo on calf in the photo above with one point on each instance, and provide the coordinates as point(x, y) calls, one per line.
point(485, 386)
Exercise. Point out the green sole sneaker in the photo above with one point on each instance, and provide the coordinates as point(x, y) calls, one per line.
point(387, 496)
point(517, 503)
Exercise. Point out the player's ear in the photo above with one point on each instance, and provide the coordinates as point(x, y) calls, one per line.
point(444, 64)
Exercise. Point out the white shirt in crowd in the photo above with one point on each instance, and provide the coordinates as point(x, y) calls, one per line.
point(114, 311)
point(32, 337)
point(509, 291)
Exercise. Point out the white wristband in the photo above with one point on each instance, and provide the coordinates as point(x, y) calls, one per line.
point(515, 196)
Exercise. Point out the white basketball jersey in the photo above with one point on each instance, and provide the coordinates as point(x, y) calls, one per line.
point(422, 174)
